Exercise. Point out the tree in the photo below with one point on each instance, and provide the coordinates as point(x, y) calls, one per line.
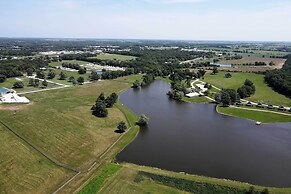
point(44, 83)
point(2, 78)
point(80, 80)
point(51, 74)
point(227, 75)
point(29, 71)
point(36, 83)
point(63, 76)
point(82, 70)
point(214, 70)
point(40, 74)
point(18, 84)
point(218, 97)
point(136, 84)
point(31, 82)
point(143, 120)
point(101, 97)
point(121, 126)
point(71, 79)
point(94, 76)
point(225, 99)
point(110, 100)
point(99, 109)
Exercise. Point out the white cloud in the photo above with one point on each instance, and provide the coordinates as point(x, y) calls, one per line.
point(68, 4)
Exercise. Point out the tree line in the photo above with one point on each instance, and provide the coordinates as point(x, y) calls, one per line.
point(280, 79)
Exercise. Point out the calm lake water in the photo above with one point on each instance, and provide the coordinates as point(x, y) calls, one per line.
point(193, 138)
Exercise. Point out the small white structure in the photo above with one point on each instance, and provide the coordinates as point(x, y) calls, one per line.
point(10, 96)
point(193, 94)
point(201, 87)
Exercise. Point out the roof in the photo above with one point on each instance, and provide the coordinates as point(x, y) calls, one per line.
point(3, 90)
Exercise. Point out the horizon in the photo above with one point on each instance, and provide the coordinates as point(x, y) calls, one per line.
point(201, 20)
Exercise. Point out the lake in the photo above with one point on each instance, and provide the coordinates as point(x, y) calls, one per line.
point(195, 139)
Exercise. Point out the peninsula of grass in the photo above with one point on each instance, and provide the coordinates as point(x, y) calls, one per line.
point(264, 117)
point(117, 57)
point(264, 93)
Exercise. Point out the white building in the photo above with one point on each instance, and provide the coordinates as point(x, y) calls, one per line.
point(8, 96)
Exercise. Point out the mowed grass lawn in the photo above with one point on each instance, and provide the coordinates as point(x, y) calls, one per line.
point(253, 59)
point(61, 123)
point(55, 64)
point(263, 117)
point(10, 81)
point(264, 93)
point(23, 170)
point(114, 57)
point(124, 181)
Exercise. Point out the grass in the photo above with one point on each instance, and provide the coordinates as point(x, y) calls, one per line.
point(95, 185)
point(10, 81)
point(125, 181)
point(197, 100)
point(69, 74)
point(61, 122)
point(263, 117)
point(114, 57)
point(55, 64)
point(253, 59)
point(23, 170)
point(264, 93)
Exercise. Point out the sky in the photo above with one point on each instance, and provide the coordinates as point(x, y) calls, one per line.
point(241, 20)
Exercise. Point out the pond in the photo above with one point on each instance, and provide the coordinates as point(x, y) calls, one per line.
point(195, 139)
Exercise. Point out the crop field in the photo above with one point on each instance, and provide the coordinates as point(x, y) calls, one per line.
point(55, 64)
point(264, 93)
point(114, 57)
point(23, 170)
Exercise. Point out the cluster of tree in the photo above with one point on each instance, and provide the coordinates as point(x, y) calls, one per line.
point(71, 66)
point(36, 83)
point(142, 120)
point(116, 74)
point(247, 89)
point(280, 80)
point(102, 103)
point(147, 79)
point(16, 68)
point(18, 84)
point(175, 95)
point(2, 78)
point(236, 57)
point(214, 71)
point(94, 76)
point(257, 63)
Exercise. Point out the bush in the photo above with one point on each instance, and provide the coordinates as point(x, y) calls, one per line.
point(143, 120)
point(18, 84)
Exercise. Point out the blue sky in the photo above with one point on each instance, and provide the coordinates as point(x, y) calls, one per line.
point(148, 19)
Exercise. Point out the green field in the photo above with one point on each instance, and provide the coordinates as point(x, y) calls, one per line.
point(55, 64)
point(75, 74)
point(264, 93)
point(23, 170)
point(197, 99)
point(114, 57)
point(253, 59)
point(10, 81)
point(263, 117)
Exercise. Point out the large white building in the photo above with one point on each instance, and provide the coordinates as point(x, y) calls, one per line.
point(10, 96)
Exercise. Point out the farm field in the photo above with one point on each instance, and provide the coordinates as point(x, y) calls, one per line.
point(254, 115)
point(114, 57)
point(23, 170)
point(264, 93)
point(55, 64)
